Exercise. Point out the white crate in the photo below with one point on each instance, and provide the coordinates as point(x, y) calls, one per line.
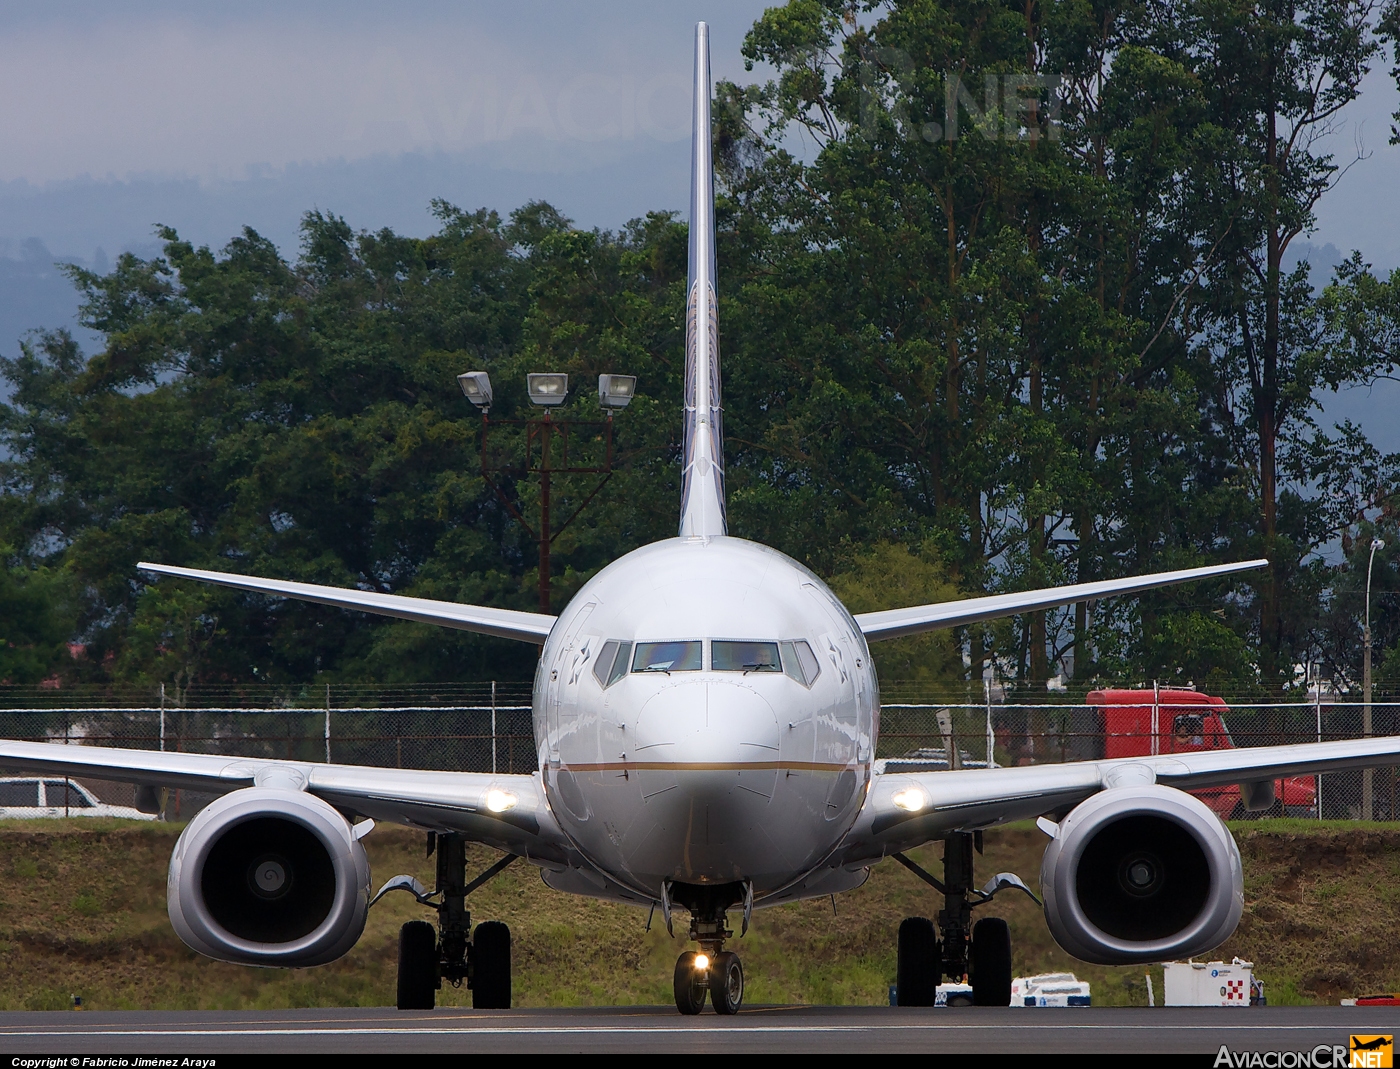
point(1209, 983)
point(953, 994)
point(1050, 989)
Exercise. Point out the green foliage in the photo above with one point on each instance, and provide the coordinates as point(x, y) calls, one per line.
point(887, 575)
point(302, 421)
point(36, 620)
point(1058, 346)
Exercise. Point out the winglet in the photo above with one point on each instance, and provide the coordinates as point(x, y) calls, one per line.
point(702, 485)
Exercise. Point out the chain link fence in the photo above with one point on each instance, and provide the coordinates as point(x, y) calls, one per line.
point(1005, 729)
point(485, 727)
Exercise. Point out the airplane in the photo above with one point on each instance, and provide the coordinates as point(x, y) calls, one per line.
point(706, 714)
point(1374, 1043)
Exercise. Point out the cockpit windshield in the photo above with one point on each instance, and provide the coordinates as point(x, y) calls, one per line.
point(744, 656)
point(667, 657)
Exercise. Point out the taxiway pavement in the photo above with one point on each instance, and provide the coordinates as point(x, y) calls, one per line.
point(785, 1029)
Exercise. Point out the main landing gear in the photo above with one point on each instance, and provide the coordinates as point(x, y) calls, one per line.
point(980, 952)
point(711, 970)
point(453, 952)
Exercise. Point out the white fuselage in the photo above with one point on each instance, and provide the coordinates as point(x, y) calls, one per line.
point(705, 769)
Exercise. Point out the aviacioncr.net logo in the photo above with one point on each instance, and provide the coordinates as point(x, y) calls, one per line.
point(1322, 1056)
point(1373, 1052)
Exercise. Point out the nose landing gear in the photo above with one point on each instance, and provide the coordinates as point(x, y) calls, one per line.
point(712, 970)
point(980, 952)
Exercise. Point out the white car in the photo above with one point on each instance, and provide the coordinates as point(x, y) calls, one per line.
point(29, 797)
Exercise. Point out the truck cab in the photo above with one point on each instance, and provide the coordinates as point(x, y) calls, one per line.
point(1139, 723)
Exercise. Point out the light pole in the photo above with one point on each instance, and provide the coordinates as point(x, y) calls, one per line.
point(547, 391)
point(1366, 778)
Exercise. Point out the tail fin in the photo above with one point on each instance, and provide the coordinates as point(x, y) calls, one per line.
point(702, 487)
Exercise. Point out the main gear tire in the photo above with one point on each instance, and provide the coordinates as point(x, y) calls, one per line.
point(491, 966)
point(989, 966)
point(418, 966)
point(919, 963)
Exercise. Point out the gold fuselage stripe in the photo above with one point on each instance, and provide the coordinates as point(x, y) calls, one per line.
point(708, 766)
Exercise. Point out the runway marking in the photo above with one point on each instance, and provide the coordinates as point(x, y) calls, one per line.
point(657, 1029)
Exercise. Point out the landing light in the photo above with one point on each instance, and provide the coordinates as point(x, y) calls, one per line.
point(702, 962)
point(911, 798)
point(499, 801)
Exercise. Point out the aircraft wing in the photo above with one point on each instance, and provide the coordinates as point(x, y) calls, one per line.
point(503, 623)
point(434, 801)
point(896, 623)
point(968, 799)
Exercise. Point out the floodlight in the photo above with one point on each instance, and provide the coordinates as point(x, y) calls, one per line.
point(615, 391)
point(549, 389)
point(477, 386)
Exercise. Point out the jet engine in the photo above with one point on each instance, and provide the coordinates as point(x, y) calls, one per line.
point(267, 876)
point(1141, 873)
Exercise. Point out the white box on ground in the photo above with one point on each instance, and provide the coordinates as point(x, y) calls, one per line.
point(1050, 989)
point(1208, 983)
point(953, 995)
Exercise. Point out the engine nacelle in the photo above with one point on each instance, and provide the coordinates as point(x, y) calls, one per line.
point(266, 876)
point(1141, 873)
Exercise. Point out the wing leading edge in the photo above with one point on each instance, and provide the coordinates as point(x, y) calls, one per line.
point(979, 798)
point(896, 623)
point(484, 620)
point(437, 801)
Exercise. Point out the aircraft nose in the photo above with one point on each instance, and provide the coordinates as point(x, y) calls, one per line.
point(707, 767)
point(708, 726)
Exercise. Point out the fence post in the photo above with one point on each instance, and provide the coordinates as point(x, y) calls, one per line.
point(1156, 718)
point(328, 723)
point(162, 718)
point(1318, 709)
point(67, 722)
point(493, 727)
point(991, 735)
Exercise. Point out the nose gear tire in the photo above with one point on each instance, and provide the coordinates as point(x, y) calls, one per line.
point(418, 966)
point(919, 964)
point(690, 985)
point(990, 964)
point(726, 983)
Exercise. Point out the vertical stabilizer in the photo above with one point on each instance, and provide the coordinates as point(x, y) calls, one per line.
point(702, 486)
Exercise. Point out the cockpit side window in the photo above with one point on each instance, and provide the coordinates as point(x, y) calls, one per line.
point(667, 657)
point(619, 664)
point(727, 656)
point(800, 662)
point(603, 665)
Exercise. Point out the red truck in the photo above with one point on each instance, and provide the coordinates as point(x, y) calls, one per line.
point(1187, 720)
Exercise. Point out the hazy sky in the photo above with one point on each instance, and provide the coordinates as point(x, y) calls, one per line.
point(209, 117)
point(115, 117)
